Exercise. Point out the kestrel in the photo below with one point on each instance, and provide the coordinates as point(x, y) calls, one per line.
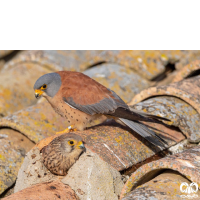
point(80, 100)
point(62, 152)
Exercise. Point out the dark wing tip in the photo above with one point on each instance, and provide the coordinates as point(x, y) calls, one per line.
point(161, 118)
point(148, 115)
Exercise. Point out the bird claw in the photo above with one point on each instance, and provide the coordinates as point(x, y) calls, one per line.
point(72, 130)
point(67, 130)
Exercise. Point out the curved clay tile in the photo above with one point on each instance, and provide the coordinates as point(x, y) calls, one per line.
point(185, 163)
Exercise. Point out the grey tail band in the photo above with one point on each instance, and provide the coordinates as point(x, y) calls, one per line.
point(146, 133)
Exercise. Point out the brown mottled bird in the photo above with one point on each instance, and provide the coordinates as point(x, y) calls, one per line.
point(80, 99)
point(62, 152)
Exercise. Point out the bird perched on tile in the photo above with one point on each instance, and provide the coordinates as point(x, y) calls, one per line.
point(80, 100)
point(62, 152)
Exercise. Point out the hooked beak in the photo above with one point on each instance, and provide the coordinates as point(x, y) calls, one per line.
point(38, 93)
point(81, 146)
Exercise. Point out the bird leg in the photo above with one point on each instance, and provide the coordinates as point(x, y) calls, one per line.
point(67, 130)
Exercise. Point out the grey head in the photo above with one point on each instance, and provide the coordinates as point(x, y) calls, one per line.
point(48, 83)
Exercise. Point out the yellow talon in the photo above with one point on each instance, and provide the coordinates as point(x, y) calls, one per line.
point(67, 130)
point(64, 131)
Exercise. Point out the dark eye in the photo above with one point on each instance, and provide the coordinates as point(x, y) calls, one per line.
point(71, 142)
point(44, 86)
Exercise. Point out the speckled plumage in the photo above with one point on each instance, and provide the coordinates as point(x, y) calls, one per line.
point(58, 156)
point(73, 116)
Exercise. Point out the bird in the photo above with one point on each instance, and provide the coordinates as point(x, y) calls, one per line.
point(62, 152)
point(81, 100)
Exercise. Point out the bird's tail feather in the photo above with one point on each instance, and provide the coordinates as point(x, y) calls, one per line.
point(145, 132)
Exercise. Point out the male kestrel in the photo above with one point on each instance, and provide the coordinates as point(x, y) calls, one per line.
point(80, 100)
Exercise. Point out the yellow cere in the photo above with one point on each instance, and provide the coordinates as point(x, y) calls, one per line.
point(80, 144)
point(40, 92)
